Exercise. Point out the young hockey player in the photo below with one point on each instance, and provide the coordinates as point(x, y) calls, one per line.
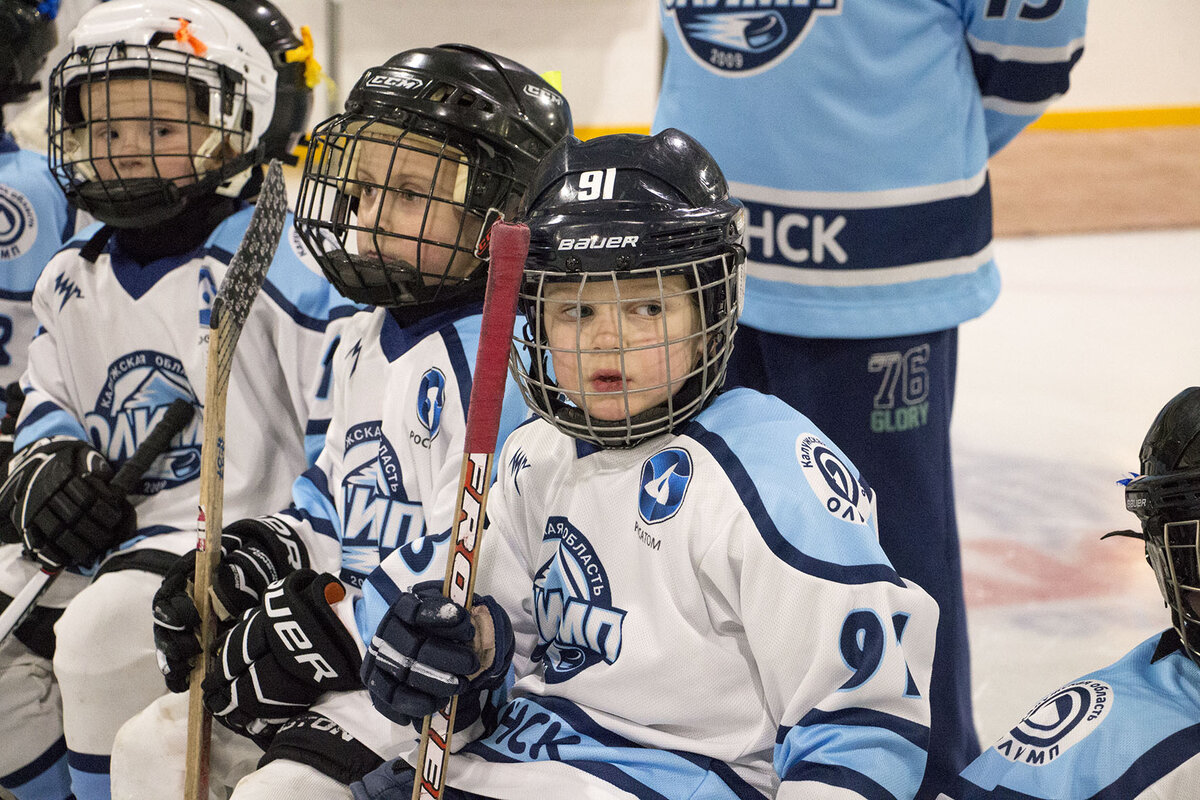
point(160, 118)
point(1128, 730)
point(688, 584)
point(396, 201)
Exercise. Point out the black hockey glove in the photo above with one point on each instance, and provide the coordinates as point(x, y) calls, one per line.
point(426, 650)
point(254, 554)
point(281, 657)
point(57, 496)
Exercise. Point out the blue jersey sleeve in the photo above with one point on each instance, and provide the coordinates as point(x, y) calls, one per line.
point(1022, 53)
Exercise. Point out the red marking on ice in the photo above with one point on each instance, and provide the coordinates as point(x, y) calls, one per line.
point(999, 573)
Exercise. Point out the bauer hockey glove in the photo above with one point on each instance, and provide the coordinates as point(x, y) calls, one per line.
point(254, 554)
point(428, 648)
point(58, 498)
point(281, 657)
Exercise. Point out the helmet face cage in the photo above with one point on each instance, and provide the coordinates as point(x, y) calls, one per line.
point(128, 137)
point(393, 209)
point(615, 358)
point(1169, 509)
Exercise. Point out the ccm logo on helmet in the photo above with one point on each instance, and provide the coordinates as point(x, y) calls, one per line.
point(396, 81)
point(598, 242)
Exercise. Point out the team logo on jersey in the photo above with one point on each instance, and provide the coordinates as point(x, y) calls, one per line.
point(430, 399)
point(66, 288)
point(516, 464)
point(1057, 723)
point(732, 37)
point(18, 224)
point(572, 606)
point(665, 480)
point(207, 287)
point(377, 516)
point(139, 389)
point(843, 495)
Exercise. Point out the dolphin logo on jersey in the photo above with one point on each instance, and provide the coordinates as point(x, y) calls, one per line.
point(578, 626)
point(843, 495)
point(1058, 722)
point(665, 480)
point(731, 37)
point(18, 223)
point(377, 516)
point(430, 399)
point(140, 387)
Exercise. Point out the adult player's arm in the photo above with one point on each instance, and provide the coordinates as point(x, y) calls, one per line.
point(1022, 53)
point(49, 409)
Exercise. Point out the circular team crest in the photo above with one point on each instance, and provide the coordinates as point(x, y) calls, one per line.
point(843, 495)
point(18, 224)
point(1057, 723)
point(665, 479)
point(728, 38)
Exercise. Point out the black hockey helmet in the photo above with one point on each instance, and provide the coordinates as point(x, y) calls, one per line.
point(246, 103)
point(27, 35)
point(629, 206)
point(1165, 496)
point(476, 121)
point(293, 87)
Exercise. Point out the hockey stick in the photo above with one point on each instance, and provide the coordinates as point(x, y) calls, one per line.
point(178, 415)
point(509, 246)
point(230, 309)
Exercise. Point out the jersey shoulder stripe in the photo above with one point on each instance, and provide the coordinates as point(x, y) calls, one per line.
point(803, 494)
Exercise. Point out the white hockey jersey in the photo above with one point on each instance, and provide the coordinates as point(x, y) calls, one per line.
point(707, 614)
point(389, 471)
point(117, 342)
point(35, 220)
point(1129, 731)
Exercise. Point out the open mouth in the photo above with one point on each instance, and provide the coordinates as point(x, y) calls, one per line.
point(606, 381)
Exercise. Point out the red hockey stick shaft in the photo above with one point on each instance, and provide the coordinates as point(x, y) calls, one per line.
point(509, 247)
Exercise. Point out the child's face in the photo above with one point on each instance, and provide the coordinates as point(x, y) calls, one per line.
point(127, 140)
point(617, 358)
point(409, 193)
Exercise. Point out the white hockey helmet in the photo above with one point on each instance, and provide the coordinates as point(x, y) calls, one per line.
point(201, 43)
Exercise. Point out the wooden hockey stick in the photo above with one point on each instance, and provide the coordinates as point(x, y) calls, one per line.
point(177, 416)
point(509, 246)
point(230, 309)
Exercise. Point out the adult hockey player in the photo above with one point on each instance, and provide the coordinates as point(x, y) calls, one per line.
point(1129, 730)
point(160, 118)
point(857, 133)
point(396, 201)
point(688, 584)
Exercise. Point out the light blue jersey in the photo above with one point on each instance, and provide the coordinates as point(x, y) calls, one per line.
point(35, 220)
point(1130, 730)
point(857, 133)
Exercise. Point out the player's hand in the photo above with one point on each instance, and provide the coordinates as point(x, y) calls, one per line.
point(254, 554)
point(58, 498)
point(429, 648)
point(282, 656)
